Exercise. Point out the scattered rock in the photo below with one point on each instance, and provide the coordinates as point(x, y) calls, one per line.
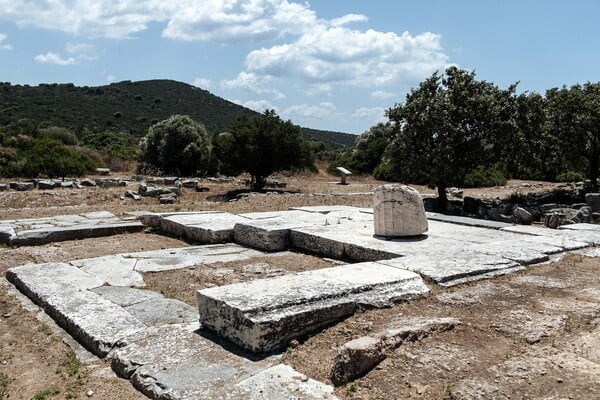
point(46, 185)
point(552, 220)
point(133, 195)
point(88, 182)
point(103, 171)
point(523, 216)
point(356, 358)
point(21, 186)
point(3, 187)
point(593, 200)
point(189, 183)
point(202, 189)
point(167, 198)
point(359, 356)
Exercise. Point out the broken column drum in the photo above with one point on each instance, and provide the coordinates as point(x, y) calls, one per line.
point(398, 211)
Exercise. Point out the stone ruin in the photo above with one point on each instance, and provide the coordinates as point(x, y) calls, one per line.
point(398, 211)
point(165, 346)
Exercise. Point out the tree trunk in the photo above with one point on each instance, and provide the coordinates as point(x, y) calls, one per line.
point(442, 198)
point(594, 164)
point(257, 182)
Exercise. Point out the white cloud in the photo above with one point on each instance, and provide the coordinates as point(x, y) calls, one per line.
point(83, 51)
point(252, 83)
point(371, 114)
point(311, 111)
point(110, 78)
point(53, 58)
point(98, 18)
point(259, 105)
point(4, 46)
point(202, 83)
point(348, 18)
point(233, 20)
point(382, 94)
point(361, 58)
point(219, 20)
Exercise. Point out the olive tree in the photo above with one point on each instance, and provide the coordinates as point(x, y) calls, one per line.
point(177, 145)
point(262, 145)
point(449, 125)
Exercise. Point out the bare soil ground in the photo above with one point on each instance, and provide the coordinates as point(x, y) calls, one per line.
point(531, 335)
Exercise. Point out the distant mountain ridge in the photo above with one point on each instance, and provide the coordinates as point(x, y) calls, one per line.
point(127, 106)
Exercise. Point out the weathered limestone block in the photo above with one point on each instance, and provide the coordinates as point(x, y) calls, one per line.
point(62, 290)
point(398, 211)
point(359, 356)
point(593, 200)
point(523, 216)
point(356, 358)
point(263, 315)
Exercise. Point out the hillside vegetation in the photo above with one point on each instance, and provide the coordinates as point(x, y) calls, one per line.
point(127, 106)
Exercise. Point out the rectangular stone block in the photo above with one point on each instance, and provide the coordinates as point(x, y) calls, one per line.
point(461, 268)
point(263, 315)
point(271, 231)
point(74, 232)
point(169, 259)
point(62, 291)
point(208, 228)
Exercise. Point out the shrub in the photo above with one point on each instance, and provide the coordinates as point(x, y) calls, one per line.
point(49, 158)
point(484, 177)
point(62, 135)
point(178, 145)
point(570, 176)
point(384, 172)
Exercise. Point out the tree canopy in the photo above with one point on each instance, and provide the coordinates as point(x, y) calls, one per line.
point(260, 146)
point(573, 118)
point(177, 145)
point(447, 126)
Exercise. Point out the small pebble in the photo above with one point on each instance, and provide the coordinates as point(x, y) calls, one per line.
point(559, 380)
point(89, 393)
point(7, 315)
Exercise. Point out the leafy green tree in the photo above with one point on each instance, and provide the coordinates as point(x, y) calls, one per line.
point(447, 126)
point(573, 118)
point(262, 145)
point(177, 145)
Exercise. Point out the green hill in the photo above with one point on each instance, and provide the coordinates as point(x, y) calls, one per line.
point(126, 107)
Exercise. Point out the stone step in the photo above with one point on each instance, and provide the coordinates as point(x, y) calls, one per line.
point(263, 315)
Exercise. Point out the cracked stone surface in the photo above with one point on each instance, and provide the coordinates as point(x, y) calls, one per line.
point(263, 315)
point(38, 231)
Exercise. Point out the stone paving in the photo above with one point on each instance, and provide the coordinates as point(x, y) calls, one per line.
point(38, 231)
point(158, 343)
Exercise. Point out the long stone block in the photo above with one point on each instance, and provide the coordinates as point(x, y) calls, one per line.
point(74, 232)
point(209, 228)
point(169, 259)
point(62, 291)
point(453, 219)
point(263, 315)
point(458, 269)
point(574, 232)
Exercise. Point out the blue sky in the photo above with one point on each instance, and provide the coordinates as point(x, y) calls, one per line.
point(326, 64)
